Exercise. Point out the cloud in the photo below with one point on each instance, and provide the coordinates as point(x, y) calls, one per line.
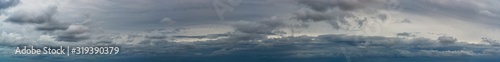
point(52, 26)
point(487, 13)
point(342, 14)
point(447, 40)
point(436, 53)
point(45, 21)
point(406, 20)
point(491, 41)
point(323, 5)
point(320, 16)
point(405, 34)
point(156, 36)
point(167, 21)
point(8, 3)
point(333, 18)
point(210, 36)
point(258, 27)
point(249, 40)
point(33, 17)
point(322, 46)
point(475, 11)
point(458, 4)
point(73, 34)
point(329, 45)
point(9, 39)
point(251, 30)
point(43, 18)
point(382, 17)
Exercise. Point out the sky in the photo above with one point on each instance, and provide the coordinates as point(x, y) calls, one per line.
point(255, 30)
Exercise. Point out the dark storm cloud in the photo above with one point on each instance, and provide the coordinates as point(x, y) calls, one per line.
point(8, 3)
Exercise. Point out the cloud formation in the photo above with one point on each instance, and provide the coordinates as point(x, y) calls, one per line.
point(45, 21)
point(341, 14)
point(33, 17)
point(138, 28)
point(167, 21)
point(73, 34)
point(322, 46)
point(447, 40)
point(348, 5)
point(8, 3)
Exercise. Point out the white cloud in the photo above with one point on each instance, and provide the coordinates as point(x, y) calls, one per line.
point(167, 21)
point(487, 13)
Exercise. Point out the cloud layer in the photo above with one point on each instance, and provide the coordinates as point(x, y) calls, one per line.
point(256, 30)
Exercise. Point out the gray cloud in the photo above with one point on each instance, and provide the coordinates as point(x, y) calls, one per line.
point(44, 18)
point(325, 46)
point(406, 20)
point(154, 42)
point(320, 16)
point(8, 3)
point(321, 46)
point(475, 11)
point(251, 30)
point(382, 17)
point(334, 18)
point(210, 36)
point(339, 12)
point(33, 17)
point(323, 5)
point(248, 40)
point(70, 38)
point(447, 40)
point(44, 21)
point(491, 41)
point(52, 26)
point(73, 34)
point(258, 27)
point(405, 34)
point(156, 37)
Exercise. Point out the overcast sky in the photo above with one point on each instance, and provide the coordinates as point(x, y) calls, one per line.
point(256, 30)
